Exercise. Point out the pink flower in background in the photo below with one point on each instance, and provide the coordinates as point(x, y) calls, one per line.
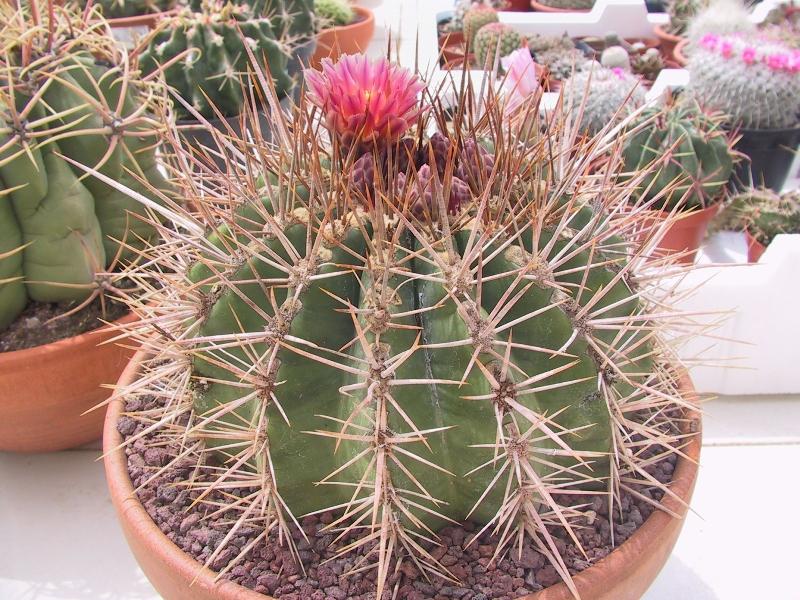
point(521, 80)
point(749, 55)
point(365, 101)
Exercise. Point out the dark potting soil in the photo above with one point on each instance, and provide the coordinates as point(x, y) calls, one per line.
point(271, 569)
point(34, 326)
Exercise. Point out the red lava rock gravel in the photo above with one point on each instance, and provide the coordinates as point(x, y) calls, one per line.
point(271, 569)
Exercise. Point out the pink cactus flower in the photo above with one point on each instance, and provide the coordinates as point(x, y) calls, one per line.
point(521, 80)
point(749, 55)
point(365, 101)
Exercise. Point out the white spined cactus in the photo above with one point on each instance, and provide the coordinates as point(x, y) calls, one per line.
point(598, 96)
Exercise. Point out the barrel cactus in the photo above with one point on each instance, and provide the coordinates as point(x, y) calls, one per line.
point(450, 333)
point(333, 13)
point(203, 57)
point(494, 38)
point(599, 96)
point(692, 152)
point(761, 212)
point(753, 79)
point(475, 18)
point(463, 6)
point(70, 102)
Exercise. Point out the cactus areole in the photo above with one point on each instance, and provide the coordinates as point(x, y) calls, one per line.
point(413, 329)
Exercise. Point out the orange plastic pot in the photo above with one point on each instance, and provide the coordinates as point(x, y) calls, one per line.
point(537, 7)
point(686, 234)
point(45, 390)
point(625, 574)
point(668, 42)
point(347, 39)
point(754, 248)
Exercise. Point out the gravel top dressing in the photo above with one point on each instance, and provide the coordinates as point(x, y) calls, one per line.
point(271, 569)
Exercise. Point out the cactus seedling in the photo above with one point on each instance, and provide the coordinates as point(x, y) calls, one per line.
point(203, 58)
point(692, 151)
point(459, 334)
point(69, 101)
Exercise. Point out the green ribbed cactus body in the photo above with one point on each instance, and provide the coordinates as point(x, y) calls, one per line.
point(492, 36)
point(569, 4)
point(61, 226)
point(761, 212)
point(329, 319)
point(696, 155)
point(334, 13)
point(474, 19)
point(215, 62)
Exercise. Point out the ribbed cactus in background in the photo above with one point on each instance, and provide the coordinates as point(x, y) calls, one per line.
point(494, 38)
point(600, 96)
point(65, 90)
point(115, 9)
point(753, 79)
point(443, 326)
point(762, 213)
point(333, 13)
point(214, 59)
point(475, 18)
point(692, 152)
point(569, 4)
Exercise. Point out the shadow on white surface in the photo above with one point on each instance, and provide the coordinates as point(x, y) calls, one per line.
point(679, 581)
point(60, 536)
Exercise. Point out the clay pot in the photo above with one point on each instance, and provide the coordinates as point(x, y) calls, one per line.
point(668, 42)
point(347, 39)
point(44, 391)
point(754, 248)
point(679, 52)
point(519, 6)
point(549, 9)
point(686, 233)
point(452, 47)
point(624, 574)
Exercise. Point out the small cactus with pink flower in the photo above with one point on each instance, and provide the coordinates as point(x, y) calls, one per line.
point(752, 78)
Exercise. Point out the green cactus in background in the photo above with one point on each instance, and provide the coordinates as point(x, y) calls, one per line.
point(333, 13)
point(430, 327)
point(693, 153)
point(558, 54)
point(580, 5)
point(761, 212)
point(116, 9)
point(62, 95)
point(475, 18)
point(492, 38)
point(215, 59)
point(600, 96)
point(681, 12)
point(463, 6)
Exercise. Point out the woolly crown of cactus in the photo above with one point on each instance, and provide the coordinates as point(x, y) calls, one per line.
point(333, 13)
point(599, 96)
point(721, 17)
point(70, 100)
point(366, 101)
point(693, 153)
point(458, 333)
point(753, 79)
point(205, 55)
point(761, 212)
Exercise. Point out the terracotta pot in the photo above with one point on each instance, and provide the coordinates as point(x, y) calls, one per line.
point(754, 248)
point(679, 52)
point(44, 391)
point(348, 39)
point(519, 6)
point(452, 47)
point(685, 234)
point(624, 574)
point(549, 9)
point(668, 42)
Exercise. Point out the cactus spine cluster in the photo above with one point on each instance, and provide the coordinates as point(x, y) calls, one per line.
point(214, 44)
point(762, 213)
point(492, 39)
point(333, 13)
point(752, 79)
point(456, 334)
point(599, 96)
point(68, 98)
point(692, 151)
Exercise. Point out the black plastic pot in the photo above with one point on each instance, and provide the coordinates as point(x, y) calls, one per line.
point(199, 135)
point(771, 153)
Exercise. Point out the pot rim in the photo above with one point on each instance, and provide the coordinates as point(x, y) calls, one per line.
point(617, 563)
point(794, 129)
point(664, 34)
point(68, 343)
point(361, 10)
